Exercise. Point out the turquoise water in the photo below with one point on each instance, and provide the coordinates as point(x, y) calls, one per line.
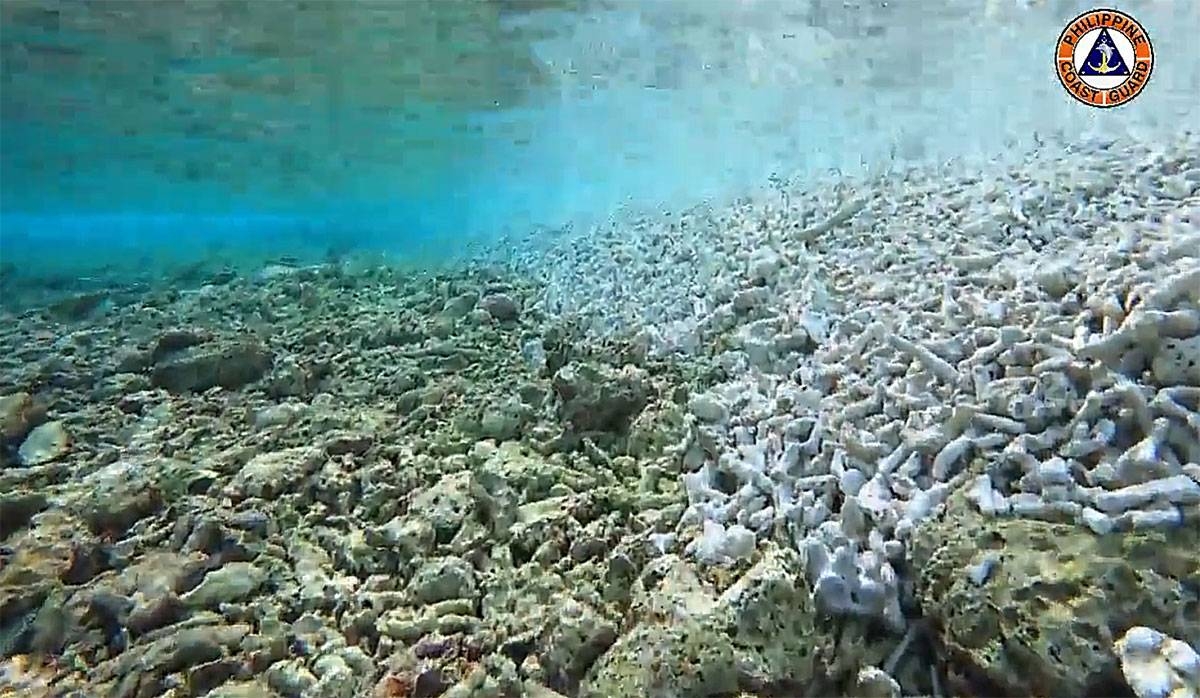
point(153, 132)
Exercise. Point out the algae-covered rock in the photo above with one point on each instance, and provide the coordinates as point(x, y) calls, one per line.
point(15, 411)
point(501, 306)
point(199, 368)
point(687, 658)
point(77, 306)
point(1044, 620)
point(442, 579)
point(761, 634)
point(458, 307)
point(120, 494)
point(676, 648)
point(42, 558)
point(600, 398)
point(505, 420)
point(18, 508)
point(270, 474)
point(139, 669)
point(242, 689)
point(659, 427)
point(445, 505)
point(577, 635)
point(233, 582)
point(48, 442)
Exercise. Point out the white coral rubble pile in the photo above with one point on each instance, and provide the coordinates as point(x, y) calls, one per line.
point(931, 322)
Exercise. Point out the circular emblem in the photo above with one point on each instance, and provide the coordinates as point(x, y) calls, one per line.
point(1104, 58)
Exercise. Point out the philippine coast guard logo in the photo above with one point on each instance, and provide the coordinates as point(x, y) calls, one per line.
point(1104, 58)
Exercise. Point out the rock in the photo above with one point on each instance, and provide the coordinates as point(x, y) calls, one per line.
point(289, 379)
point(533, 351)
point(173, 341)
point(505, 420)
point(335, 677)
point(399, 685)
point(445, 505)
point(457, 308)
point(276, 415)
point(577, 635)
point(411, 400)
point(42, 557)
point(685, 656)
point(1056, 278)
point(393, 334)
point(269, 474)
point(110, 612)
point(291, 678)
point(428, 683)
point(408, 535)
point(873, 682)
point(720, 545)
point(747, 299)
point(155, 612)
point(78, 306)
point(1155, 665)
point(142, 667)
point(232, 582)
point(708, 408)
point(339, 443)
point(764, 266)
point(501, 307)
point(120, 494)
point(599, 398)
point(199, 368)
point(159, 479)
point(203, 678)
point(762, 634)
point(17, 508)
point(442, 579)
point(1043, 623)
point(1177, 362)
point(127, 389)
point(23, 676)
point(15, 412)
point(47, 442)
point(241, 689)
point(150, 584)
point(131, 360)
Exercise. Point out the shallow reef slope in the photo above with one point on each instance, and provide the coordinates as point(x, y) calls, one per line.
point(931, 433)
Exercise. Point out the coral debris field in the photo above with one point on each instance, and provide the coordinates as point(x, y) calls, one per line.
point(935, 432)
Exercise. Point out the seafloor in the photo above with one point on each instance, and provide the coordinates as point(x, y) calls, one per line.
point(932, 433)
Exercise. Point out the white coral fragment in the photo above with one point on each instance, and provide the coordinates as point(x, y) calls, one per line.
point(1158, 666)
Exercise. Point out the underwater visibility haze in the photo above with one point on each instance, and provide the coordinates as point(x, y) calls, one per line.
point(599, 348)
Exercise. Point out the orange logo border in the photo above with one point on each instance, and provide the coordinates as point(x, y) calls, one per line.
point(1114, 20)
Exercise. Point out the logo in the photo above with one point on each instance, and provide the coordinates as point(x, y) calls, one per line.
point(1104, 58)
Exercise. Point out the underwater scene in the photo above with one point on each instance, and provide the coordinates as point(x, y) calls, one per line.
point(599, 348)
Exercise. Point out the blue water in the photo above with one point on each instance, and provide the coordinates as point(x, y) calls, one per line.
point(151, 133)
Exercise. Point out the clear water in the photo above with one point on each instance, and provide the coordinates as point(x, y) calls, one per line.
point(151, 133)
